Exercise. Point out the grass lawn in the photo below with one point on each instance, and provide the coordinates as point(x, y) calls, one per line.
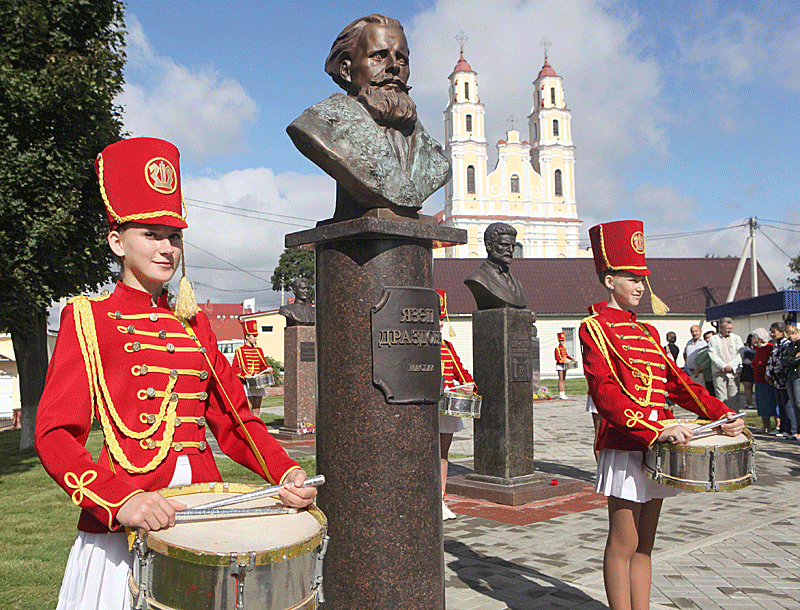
point(575, 386)
point(39, 521)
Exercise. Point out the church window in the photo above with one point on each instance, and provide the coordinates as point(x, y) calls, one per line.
point(519, 250)
point(466, 91)
point(469, 123)
point(266, 329)
point(515, 184)
point(557, 184)
point(553, 96)
point(471, 179)
point(555, 128)
point(536, 131)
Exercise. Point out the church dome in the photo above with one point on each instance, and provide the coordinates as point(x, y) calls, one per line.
point(546, 70)
point(462, 65)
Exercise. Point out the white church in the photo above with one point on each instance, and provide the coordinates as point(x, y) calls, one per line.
point(532, 187)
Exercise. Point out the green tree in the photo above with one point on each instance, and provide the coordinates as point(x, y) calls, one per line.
point(293, 264)
point(61, 65)
point(794, 267)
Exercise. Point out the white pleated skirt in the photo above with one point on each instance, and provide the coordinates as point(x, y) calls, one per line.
point(96, 576)
point(621, 474)
point(450, 424)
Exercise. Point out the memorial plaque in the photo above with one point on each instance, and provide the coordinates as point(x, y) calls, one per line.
point(307, 351)
point(520, 356)
point(406, 340)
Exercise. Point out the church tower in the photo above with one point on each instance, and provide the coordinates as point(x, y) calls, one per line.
point(532, 185)
point(552, 151)
point(466, 149)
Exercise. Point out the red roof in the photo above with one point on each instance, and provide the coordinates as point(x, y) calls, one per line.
point(569, 285)
point(546, 70)
point(224, 318)
point(462, 65)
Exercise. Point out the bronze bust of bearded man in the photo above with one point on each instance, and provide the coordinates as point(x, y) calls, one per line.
point(370, 140)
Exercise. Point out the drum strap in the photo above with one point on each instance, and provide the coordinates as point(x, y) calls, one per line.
point(229, 403)
point(674, 367)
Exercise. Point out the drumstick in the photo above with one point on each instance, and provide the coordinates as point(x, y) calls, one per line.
point(227, 513)
point(458, 387)
point(314, 481)
point(706, 429)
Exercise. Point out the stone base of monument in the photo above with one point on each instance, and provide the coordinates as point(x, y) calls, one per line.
point(511, 492)
point(300, 381)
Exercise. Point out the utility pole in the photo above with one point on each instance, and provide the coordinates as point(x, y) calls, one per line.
point(751, 244)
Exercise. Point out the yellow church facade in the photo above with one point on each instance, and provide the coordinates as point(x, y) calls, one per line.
point(532, 186)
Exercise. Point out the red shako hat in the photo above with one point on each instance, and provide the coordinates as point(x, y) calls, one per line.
point(562, 337)
point(442, 303)
point(619, 246)
point(140, 181)
point(250, 327)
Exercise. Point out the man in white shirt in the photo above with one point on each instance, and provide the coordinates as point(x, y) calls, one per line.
point(725, 350)
point(690, 351)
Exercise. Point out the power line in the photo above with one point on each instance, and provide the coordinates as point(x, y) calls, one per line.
point(774, 244)
point(261, 279)
point(281, 222)
point(230, 207)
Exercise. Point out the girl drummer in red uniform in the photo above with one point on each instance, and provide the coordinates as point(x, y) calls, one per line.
point(629, 378)
point(455, 376)
point(248, 362)
point(562, 357)
point(153, 378)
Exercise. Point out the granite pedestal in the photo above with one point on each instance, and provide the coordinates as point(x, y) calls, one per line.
point(381, 460)
point(300, 381)
point(503, 358)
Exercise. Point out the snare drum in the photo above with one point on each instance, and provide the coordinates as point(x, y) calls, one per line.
point(570, 364)
point(262, 380)
point(709, 463)
point(461, 405)
point(268, 562)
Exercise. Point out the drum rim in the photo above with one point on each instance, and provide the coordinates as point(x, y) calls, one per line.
point(207, 558)
point(453, 396)
point(702, 448)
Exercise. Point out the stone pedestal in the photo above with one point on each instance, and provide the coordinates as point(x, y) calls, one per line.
point(503, 363)
point(299, 380)
point(381, 460)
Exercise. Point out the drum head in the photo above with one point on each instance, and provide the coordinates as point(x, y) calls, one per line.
point(272, 538)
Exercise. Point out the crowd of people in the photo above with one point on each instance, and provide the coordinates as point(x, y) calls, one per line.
point(764, 367)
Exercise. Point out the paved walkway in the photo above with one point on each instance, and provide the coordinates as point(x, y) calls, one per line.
point(735, 550)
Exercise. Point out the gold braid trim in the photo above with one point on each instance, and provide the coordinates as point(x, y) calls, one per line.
point(148, 333)
point(595, 329)
point(140, 316)
point(72, 481)
point(229, 403)
point(123, 219)
point(101, 396)
point(609, 266)
point(673, 366)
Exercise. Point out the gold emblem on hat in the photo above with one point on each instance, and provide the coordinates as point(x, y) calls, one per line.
point(161, 175)
point(637, 242)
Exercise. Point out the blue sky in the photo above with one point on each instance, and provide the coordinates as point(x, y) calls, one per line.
point(683, 117)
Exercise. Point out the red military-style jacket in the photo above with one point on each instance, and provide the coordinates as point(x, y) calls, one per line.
point(154, 385)
point(249, 361)
point(453, 371)
point(630, 377)
point(561, 354)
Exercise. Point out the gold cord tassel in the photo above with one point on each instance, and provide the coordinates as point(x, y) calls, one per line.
point(186, 305)
point(660, 308)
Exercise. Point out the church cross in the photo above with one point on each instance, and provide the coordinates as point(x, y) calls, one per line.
point(462, 38)
point(545, 43)
point(512, 119)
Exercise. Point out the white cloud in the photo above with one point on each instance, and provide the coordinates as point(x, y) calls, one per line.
point(249, 240)
point(663, 205)
point(200, 110)
point(617, 110)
